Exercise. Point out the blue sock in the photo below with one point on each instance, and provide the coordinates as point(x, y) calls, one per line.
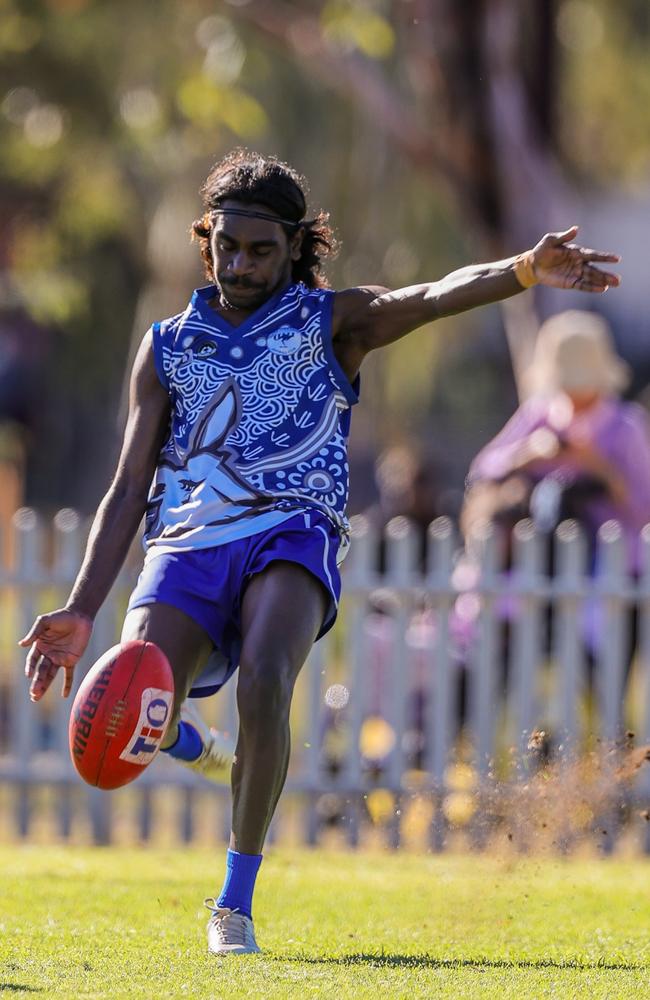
point(241, 872)
point(188, 745)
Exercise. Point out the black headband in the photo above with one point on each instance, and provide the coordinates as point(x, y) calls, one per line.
point(257, 215)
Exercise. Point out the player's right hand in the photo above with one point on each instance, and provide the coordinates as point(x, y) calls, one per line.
point(57, 641)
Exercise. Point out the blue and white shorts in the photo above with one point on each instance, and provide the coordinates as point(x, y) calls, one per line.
point(209, 584)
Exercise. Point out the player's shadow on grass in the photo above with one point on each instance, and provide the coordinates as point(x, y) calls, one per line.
point(429, 962)
point(19, 988)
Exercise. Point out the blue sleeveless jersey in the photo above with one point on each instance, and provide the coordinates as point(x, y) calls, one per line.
point(259, 424)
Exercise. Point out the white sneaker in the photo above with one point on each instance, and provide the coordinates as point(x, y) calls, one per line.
point(230, 932)
point(218, 751)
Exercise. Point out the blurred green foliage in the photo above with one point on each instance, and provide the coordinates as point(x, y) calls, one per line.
point(357, 26)
point(605, 90)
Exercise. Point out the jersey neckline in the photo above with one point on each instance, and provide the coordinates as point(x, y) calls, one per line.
point(201, 298)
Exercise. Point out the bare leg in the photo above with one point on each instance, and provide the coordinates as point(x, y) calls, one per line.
point(282, 613)
point(184, 643)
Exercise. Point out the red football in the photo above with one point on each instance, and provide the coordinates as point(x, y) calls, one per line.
point(121, 713)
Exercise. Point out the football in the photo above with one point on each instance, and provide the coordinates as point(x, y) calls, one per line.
point(121, 713)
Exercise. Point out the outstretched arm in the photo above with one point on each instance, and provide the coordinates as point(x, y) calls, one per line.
point(365, 319)
point(58, 639)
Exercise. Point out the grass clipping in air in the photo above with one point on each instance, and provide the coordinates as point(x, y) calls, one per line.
point(568, 803)
point(534, 803)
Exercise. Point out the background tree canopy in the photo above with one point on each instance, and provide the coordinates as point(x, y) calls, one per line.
point(434, 131)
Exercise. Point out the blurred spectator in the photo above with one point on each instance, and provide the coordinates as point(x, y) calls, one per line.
point(409, 486)
point(574, 449)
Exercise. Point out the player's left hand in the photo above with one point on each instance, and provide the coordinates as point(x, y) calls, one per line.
point(562, 264)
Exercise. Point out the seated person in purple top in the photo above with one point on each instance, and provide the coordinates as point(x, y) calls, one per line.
point(573, 448)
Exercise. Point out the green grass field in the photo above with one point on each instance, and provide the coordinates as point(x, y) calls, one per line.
point(81, 922)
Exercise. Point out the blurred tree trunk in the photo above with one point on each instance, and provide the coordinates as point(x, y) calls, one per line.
point(470, 103)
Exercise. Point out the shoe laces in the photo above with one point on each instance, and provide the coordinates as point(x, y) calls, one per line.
point(231, 926)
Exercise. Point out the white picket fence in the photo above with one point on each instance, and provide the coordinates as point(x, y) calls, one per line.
point(377, 708)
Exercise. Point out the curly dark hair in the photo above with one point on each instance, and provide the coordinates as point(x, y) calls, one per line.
point(255, 179)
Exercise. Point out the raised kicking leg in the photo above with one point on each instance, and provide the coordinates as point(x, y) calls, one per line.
point(282, 613)
point(187, 647)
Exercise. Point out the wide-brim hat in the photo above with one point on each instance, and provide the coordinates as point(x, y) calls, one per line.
point(575, 352)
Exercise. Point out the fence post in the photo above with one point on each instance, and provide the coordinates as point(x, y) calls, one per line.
point(525, 653)
point(441, 705)
point(568, 648)
point(315, 669)
point(401, 575)
point(68, 544)
point(360, 577)
point(609, 638)
point(28, 540)
point(608, 628)
point(231, 726)
point(485, 700)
